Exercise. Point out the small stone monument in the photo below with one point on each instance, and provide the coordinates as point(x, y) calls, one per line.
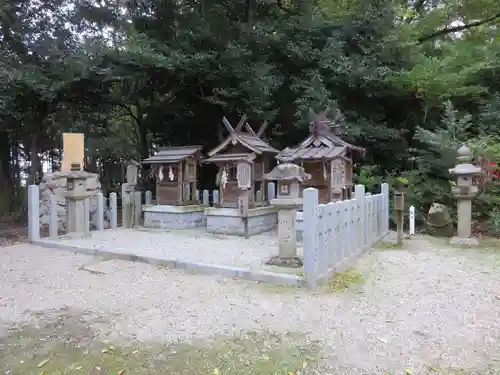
point(439, 221)
point(289, 177)
point(76, 194)
point(465, 191)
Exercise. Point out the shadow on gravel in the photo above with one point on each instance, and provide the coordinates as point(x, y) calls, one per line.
point(67, 343)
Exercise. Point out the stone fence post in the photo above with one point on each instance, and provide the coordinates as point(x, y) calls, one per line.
point(33, 213)
point(385, 216)
point(113, 208)
point(310, 236)
point(360, 195)
point(149, 197)
point(100, 212)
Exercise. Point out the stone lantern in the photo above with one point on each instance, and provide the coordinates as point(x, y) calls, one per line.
point(289, 176)
point(465, 191)
point(76, 193)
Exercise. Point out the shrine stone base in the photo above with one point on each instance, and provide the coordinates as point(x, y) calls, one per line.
point(229, 221)
point(173, 217)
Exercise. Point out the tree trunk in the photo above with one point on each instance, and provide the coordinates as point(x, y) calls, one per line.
point(5, 174)
point(35, 164)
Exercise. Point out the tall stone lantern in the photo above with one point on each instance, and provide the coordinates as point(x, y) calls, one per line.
point(289, 176)
point(464, 191)
point(76, 194)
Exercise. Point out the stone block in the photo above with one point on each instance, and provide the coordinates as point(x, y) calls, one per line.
point(229, 221)
point(173, 217)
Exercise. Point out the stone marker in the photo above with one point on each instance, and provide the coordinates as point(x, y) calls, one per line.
point(289, 177)
point(465, 191)
point(439, 221)
point(399, 206)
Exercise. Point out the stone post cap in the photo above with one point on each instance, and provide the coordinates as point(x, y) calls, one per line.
point(464, 153)
point(287, 172)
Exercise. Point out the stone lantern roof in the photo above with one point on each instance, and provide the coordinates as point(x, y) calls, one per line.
point(287, 172)
point(464, 166)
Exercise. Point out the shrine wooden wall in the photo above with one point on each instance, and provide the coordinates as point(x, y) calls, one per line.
point(167, 193)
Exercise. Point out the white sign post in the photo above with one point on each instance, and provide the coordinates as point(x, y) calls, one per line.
point(412, 220)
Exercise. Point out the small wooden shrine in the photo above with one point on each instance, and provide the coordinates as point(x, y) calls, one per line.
point(243, 158)
point(175, 170)
point(327, 158)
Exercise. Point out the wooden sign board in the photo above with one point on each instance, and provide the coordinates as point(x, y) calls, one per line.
point(73, 150)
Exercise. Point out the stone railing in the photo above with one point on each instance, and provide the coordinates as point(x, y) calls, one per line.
point(334, 233)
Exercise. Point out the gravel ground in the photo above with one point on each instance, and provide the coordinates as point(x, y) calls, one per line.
point(194, 245)
point(423, 306)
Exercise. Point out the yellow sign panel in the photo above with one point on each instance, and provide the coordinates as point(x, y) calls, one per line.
point(73, 150)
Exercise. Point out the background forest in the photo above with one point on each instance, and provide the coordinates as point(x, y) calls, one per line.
point(411, 79)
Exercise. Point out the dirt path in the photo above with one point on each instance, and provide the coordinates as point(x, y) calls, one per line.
point(422, 309)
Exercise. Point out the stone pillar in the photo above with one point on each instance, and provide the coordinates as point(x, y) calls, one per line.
point(287, 235)
point(137, 208)
point(464, 191)
point(289, 177)
point(100, 211)
point(33, 213)
point(149, 197)
point(271, 190)
point(113, 208)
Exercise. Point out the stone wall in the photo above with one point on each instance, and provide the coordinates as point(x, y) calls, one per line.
point(55, 183)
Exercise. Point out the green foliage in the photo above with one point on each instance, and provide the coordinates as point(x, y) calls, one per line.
point(137, 75)
point(368, 175)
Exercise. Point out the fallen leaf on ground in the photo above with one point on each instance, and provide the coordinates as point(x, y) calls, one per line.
point(409, 371)
point(43, 363)
point(121, 372)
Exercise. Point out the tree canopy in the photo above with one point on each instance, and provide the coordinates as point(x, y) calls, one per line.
point(133, 75)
